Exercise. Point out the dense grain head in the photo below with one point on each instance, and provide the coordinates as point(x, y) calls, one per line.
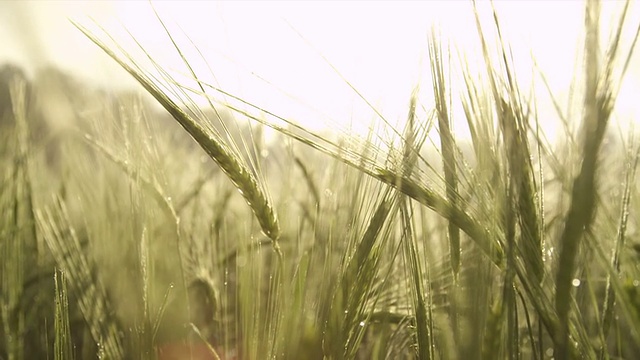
point(230, 163)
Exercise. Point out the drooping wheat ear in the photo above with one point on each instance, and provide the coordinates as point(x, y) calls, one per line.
point(241, 177)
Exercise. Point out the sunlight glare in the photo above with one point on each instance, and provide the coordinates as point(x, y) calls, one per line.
point(273, 54)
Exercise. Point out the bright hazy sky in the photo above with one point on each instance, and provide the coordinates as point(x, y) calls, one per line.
point(380, 47)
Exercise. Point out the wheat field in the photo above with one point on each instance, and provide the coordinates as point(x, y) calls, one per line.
point(183, 221)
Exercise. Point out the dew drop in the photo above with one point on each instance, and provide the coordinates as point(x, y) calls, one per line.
point(575, 282)
point(241, 261)
point(549, 352)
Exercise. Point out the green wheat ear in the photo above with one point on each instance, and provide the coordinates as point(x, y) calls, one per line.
point(230, 164)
